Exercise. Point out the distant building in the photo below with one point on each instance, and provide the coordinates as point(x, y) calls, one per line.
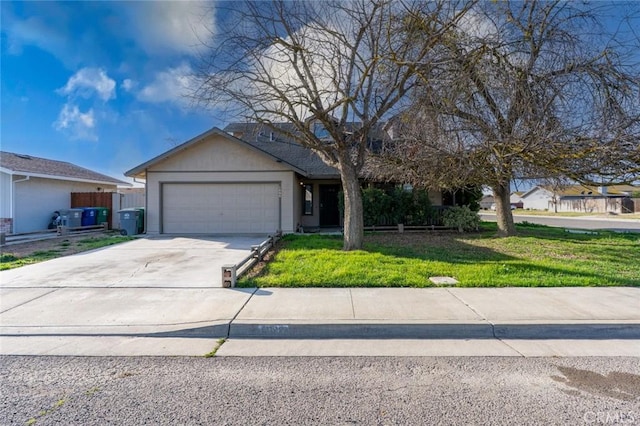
point(32, 188)
point(579, 198)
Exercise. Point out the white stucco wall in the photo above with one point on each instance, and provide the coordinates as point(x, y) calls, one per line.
point(538, 199)
point(5, 195)
point(218, 159)
point(36, 199)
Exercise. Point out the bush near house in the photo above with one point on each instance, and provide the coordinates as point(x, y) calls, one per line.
point(461, 218)
point(391, 206)
point(397, 206)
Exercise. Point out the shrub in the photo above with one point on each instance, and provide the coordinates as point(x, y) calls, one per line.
point(422, 212)
point(462, 218)
point(377, 206)
point(396, 206)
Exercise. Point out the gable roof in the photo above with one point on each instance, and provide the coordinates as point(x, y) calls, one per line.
point(535, 189)
point(274, 144)
point(27, 165)
point(141, 169)
point(282, 147)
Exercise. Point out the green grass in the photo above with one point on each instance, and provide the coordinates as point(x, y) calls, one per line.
point(59, 248)
point(539, 256)
point(10, 261)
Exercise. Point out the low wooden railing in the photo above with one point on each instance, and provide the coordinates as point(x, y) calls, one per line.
point(231, 272)
point(51, 233)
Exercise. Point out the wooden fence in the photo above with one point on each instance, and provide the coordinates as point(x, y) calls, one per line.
point(114, 201)
point(94, 199)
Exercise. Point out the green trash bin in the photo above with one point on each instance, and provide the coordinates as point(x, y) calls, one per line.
point(102, 215)
point(141, 220)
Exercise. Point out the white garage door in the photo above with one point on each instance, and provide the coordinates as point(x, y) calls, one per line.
point(210, 208)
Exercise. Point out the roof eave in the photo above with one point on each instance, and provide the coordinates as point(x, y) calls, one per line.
point(69, 178)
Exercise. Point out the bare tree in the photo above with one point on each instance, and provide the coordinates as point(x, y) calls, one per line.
point(524, 89)
point(322, 65)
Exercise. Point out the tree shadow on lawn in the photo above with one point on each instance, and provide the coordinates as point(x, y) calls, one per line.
point(436, 246)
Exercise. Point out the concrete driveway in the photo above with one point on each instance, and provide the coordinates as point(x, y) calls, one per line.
point(146, 262)
point(123, 298)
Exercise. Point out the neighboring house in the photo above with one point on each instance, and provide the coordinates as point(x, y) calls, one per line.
point(538, 198)
point(32, 188)
point(578, 198)
point(242, 179)
point(486, 202)
point(516, 200)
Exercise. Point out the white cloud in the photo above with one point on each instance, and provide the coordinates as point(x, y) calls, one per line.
point(76, 124)
point(171, 85)
point(88, 81)
point(177, 26)
point(128, 85)
point(31, 31)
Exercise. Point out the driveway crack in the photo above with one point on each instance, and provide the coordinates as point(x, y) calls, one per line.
point(30, 300)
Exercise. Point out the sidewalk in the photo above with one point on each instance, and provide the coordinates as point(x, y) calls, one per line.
point(501, 321)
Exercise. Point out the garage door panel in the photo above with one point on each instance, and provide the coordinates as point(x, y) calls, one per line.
point(220, 208)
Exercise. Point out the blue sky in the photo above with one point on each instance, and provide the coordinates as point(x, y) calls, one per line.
point(100, 84)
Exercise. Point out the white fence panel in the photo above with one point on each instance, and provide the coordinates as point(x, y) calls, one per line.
point(125, 201)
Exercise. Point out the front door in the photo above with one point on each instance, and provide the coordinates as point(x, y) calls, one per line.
point(329, 212)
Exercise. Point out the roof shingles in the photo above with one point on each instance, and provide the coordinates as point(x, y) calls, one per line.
point(29, 165)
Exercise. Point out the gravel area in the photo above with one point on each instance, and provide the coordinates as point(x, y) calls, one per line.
point(295, 391)
point(65, 246)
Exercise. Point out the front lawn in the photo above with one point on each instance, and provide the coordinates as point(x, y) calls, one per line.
point(538, 256)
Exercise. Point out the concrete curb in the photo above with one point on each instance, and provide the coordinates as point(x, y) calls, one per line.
point(360, 330)
point(569, 331)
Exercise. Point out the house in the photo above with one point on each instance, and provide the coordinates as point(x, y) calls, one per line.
point(537, 198)
point(487, 201)
point(243, 179)
point(516, 200)
point(579, 198)
point(32, 188)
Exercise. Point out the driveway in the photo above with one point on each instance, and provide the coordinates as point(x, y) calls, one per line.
point(147, 262)
point(123, 297)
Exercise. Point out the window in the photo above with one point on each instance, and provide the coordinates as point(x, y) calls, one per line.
point(307, 198)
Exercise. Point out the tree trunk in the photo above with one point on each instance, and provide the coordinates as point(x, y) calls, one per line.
point(504, 217)
point(353, 212)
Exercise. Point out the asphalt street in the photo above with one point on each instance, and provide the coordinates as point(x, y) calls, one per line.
point(612, 224)
point(335, 391)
